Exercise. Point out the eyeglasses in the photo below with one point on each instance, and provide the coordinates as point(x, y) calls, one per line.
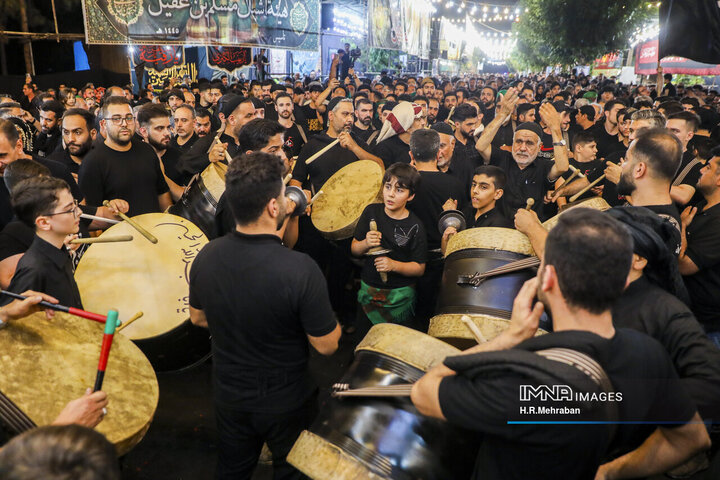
point(74, 211)
point(118, 120)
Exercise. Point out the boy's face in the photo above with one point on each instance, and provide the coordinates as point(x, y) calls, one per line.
point(483, 191)
point(395, 196)
point(66, 218)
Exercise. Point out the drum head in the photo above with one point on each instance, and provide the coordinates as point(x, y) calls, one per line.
point(48, 363)
point(214, 179)
point(345, 195)
point(494, 238)
point(451, 329)
point(596, 203)
point(142, 276)
point(415, 348)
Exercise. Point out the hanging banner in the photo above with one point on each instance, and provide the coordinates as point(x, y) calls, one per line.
point(158, 57)
point(288, 24)
point(646, 60)
point(228, 59)
point(609, 61)
point(399, 25)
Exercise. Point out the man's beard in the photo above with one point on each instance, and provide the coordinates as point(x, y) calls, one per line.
point(625, 185)
point(366, 121)
point(158, 145)
point(82, 149)
point(282, 215)
point(489, 104)
point(467, 135)
point(523, 161)
point(285, 114)
point(116, 138)
point(430, 119)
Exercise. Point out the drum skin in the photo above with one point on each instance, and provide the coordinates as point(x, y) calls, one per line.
point(336, 212)
point(151, 278)
point(200, 199)
point(386, 438)
point(47, 363)
point(450, 328)
point(596, 203)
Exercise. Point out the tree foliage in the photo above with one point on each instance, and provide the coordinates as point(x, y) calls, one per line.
point(575, 32)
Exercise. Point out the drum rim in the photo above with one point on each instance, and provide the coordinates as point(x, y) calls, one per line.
point(519, 240)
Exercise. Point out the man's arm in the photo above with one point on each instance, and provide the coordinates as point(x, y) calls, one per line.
point(87, 410)
point(682, 194)
point(685, 263)
point(320, 102)
point(664, 449)
point(198, 318)
point(346, 141)
point(570, 189)
point(165, 201)
point(484, 143)
point(327, 344)
point(527, 222)
point(551, 118)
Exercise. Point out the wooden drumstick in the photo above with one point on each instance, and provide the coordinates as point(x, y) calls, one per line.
point(584, 190)
point(373, 228)
point(476, 333)
point(135, 225)
point(321, 152)
point(315, 197)
point(216, 140)
point(287, 178)
point(102, 219)
point(529, 203)
point(130, 320)
point(575, 173)
point(118, 238)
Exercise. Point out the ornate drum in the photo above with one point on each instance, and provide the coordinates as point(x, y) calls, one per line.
point(152, 278)
point(345, 195)
point(596, 203)
point(200, 199)
point(385, 438)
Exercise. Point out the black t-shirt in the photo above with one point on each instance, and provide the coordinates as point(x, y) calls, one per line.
point(606, 143)
point(393, 150)
point(434, 190)
point(170, 163)
point(312, 124)
point(134, 176)
point(468, 150)
point(362, 134)
point(703, 248)
point(261, 301)
point(638, 367)
point(15, 239)
point(46, 143)
point(650, 309)
point(530, 182)
point(406, 238)
point(592, 170)
point(505, 134)
point(492, 218)
point(610, 193)
point(324, 167)
point(62, 156)
point(671, 214)
point(185, 147)
point(45, 268)
point(293, 141)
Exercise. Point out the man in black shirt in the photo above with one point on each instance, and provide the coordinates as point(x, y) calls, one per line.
point(487, 97)
point(684, 125)
point(466, 119)
point(263, 304)
point(362, 127)
point(700, 255)
point(584, 159)
point(154, 123)
point(120, 168)
point(47, 203)
point(394, 138)
point(637, 366)
point(486, 208)
point(606, 131)
point(48, 140)
point(78, 131)
point(295, 136)
point(185, 136)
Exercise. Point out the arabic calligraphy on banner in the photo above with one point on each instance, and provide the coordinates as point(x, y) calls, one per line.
point(646, 55)
point(228, 59)
point(158, 57)
point(156, 79)
point(289, 24)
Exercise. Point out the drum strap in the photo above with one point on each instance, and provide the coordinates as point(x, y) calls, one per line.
point(13, 417)
point(685, 171)
point(302, 132)
point(372, 136)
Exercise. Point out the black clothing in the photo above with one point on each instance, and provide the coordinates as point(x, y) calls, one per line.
point(224, 220)
point(260, 61)
point(62, 156)
point(491, 218)
point(170, 164)
point(393, 150)
point(196, 159)
point(362, 134)
point(312, 124)
point(671, 214)
point(547, 150)
point(504, 136)
point(261, 301)
point(321, 169)
point(703, 248)
point(405, 238)
point(434, 190)
point(468, 150)
point(610, 193)
point(668, 90)
point(134, 176)
point(530, 182)
point(638, 368)
point(649, 309)
point(185, 147)
point(293, 141)
point(688, 174)
point(606, 143)
point(46, 143)
point(15, 239)
point(45, 268)
point(592, 170)
point(443, 113)
point(462, 169)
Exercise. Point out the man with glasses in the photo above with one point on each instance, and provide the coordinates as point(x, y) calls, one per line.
point(122, 168)
point(47, 204)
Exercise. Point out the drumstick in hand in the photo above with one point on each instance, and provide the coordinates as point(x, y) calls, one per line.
point(108, 335)
point(584, 190)
point(529, 203)
point(321, 152)
point(118, 238)
point(61, 308)
point(134, 224)
point(373, 228)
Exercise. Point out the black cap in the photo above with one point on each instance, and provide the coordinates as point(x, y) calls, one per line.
point(333, 103)
point(560, 106)
point(443, 127)
point(532, 126)
point(228, 103)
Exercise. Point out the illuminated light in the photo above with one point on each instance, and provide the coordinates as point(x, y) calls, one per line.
point(496, 10)
point(485, 8)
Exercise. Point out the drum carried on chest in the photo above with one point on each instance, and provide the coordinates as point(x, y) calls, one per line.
point(596, 203)
point(487, 298)
point(345, 195)
point(381, 437)
point(47, 363)
point(200, 199)
point(152, 278)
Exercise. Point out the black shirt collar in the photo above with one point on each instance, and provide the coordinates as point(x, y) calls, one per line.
point(59, 256)
point(260, 238)
point(714, 210)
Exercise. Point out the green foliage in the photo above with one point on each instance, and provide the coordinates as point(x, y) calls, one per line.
point(379, 59)
point(575, 32)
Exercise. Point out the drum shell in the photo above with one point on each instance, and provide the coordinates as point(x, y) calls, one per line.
point(198, 205)
point(181, 348)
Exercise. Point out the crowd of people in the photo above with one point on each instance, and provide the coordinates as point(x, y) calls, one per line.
point(269, 285)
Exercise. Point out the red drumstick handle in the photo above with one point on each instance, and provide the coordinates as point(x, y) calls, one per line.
point(110, 326)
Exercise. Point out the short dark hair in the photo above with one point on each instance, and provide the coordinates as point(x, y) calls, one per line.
point(8, 130)
point(283, 95)
point(584, 137)
point(388, 106)
point(586, 240)
point(451, 93)
point(611, 104)
point(53, 106)
point(81, 112)
point(424, 145)
point(660, 150)
point(497, 174)
point(690, 101)
point(588, 111)
point(58, 452)
point(671, 107)
point(36, 196)
point(256, 134)
point(150, 111)
point(690, 118)
point(176, 92)
point(22, 169)
point(102, 112)
point(406, 175)
point(252, 180)
point(523, 108)
point(362, 101)
point(201, 112)
point(420, 98)
point(463, 112)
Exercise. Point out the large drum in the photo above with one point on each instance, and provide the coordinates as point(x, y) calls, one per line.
point(48, 363)
point(596, 203)
point(345, 195)
point(152, 278)
point(385, 438)
point(200, 199)
point(489, 304)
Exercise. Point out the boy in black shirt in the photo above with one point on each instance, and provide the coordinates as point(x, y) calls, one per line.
point(46, 203)
point(386, 290)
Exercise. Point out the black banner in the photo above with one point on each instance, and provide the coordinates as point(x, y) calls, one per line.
point(690, 29)
point(158, 57)
point(228, 59)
